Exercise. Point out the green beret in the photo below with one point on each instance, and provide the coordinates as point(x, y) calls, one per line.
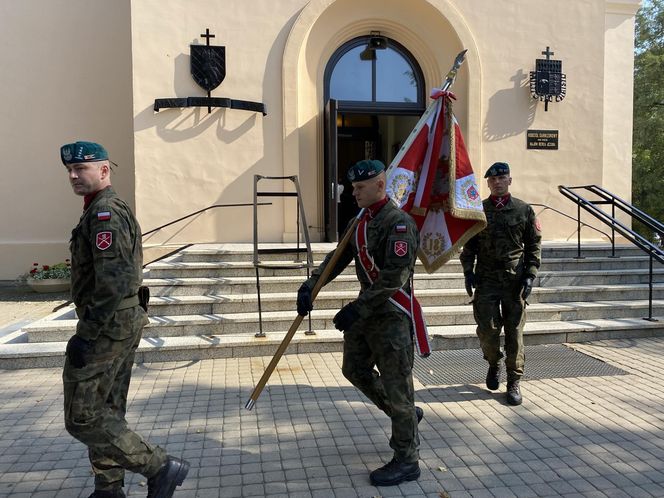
point(497, 169)
point(82, 152)
point(365, 170)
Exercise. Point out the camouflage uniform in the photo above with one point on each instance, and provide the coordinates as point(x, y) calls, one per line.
point(106, 261)
point(382, 336)
point(507, 251)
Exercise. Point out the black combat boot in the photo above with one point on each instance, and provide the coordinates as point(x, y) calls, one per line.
point(493, 378)
point(395, 473)
point(514, 393)
point(420, 414)
point(171, 475)
point(108, 493)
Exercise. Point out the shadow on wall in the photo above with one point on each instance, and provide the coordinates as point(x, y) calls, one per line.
point(511, 111)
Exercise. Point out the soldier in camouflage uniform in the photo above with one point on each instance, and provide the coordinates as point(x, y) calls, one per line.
point(376, 333)
point(106, 267)
point(501, 263)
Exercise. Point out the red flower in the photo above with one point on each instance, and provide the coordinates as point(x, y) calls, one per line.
point(45, 267)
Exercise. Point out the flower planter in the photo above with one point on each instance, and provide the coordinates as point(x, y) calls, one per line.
point(49, 284)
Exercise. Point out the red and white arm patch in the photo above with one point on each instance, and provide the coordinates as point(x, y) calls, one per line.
point(538, 225)
point(104, 240)
point(400, 248)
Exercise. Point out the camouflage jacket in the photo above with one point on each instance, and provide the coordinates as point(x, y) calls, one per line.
point(389, 226)
point(106, 264)
point(511, 241)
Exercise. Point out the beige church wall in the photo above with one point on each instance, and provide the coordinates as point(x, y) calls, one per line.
point(597, 58)
point(66, 76)
point(187, 159)
point(618, 100)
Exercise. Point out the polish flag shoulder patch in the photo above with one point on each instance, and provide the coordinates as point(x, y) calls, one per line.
point(538, 225)
point(104, 240)
point(400, 248)
point(400, 229)
point(104, 215)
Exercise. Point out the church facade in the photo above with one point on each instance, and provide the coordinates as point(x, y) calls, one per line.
point(339, 81)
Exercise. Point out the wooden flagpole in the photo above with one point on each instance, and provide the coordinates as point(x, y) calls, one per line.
point(298, 320)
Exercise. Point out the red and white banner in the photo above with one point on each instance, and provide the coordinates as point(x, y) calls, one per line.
point(431, 178)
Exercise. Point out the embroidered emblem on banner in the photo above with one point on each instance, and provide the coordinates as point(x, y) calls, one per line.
point(472, 193)
point(400, 248)
point(104, 215)
point(104, 240)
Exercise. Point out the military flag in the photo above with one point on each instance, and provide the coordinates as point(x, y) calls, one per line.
point(431, 178)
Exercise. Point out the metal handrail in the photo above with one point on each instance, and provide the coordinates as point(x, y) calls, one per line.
point(655, 252)
point(171, 253)
point(545, 206)
point(202, 211)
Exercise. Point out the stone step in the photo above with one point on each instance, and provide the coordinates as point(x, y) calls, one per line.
point(242, 303)
point(194, 348)
point(244, 252)
point(60, 328)
point(174, 268)
point(193, 286)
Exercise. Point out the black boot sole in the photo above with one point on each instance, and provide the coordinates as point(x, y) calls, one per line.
point(176, 481)
point(408, 477)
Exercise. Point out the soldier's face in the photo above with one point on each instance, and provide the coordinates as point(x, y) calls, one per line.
point(368, 192)
point(499, 185)
point(87, 178)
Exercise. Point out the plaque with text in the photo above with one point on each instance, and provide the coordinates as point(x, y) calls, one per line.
point(542, 139)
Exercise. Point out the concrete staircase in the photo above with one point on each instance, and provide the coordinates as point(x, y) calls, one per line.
point(204, 305)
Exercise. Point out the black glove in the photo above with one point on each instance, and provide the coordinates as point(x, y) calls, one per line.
point(346, 317)
point(526, 287)
point(304, 305)
point(470, 282)
point(77, 350)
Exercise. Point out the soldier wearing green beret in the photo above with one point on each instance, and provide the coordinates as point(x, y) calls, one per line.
point(376, 333)
point(501, 263)
point(106, 268)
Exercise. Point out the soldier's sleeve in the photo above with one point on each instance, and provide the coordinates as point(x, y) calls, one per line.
point(532, 244)
point(400, 256)
point(468, 255)
point(114, 268)
point(344, 260)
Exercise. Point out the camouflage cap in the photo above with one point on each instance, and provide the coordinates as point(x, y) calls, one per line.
point(82, 152)
point(365, 170)
point(497, 169)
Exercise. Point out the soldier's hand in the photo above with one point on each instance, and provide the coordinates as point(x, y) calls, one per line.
point(526, 287)
point(77, 351)
point(346, 317)
point(304, 305)
point(470, 282)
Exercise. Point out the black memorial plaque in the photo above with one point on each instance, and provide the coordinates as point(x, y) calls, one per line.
point(542, 139)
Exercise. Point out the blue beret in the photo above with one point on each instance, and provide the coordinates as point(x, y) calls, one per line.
point(82, 152)
point(497, 169)
point(365, 170)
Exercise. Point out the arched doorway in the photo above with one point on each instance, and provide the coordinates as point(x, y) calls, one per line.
point(374, 95)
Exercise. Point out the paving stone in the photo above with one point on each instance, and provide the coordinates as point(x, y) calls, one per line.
point(317, 436)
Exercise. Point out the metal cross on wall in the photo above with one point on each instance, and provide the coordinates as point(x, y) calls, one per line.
point(208, 69)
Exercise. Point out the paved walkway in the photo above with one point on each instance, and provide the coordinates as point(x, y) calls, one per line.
point(312, 435)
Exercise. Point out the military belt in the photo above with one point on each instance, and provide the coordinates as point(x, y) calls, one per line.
point(127, 302)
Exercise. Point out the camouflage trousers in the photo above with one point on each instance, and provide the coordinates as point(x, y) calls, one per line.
point(497, 304)
point(385, 342)
point(95, 403)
